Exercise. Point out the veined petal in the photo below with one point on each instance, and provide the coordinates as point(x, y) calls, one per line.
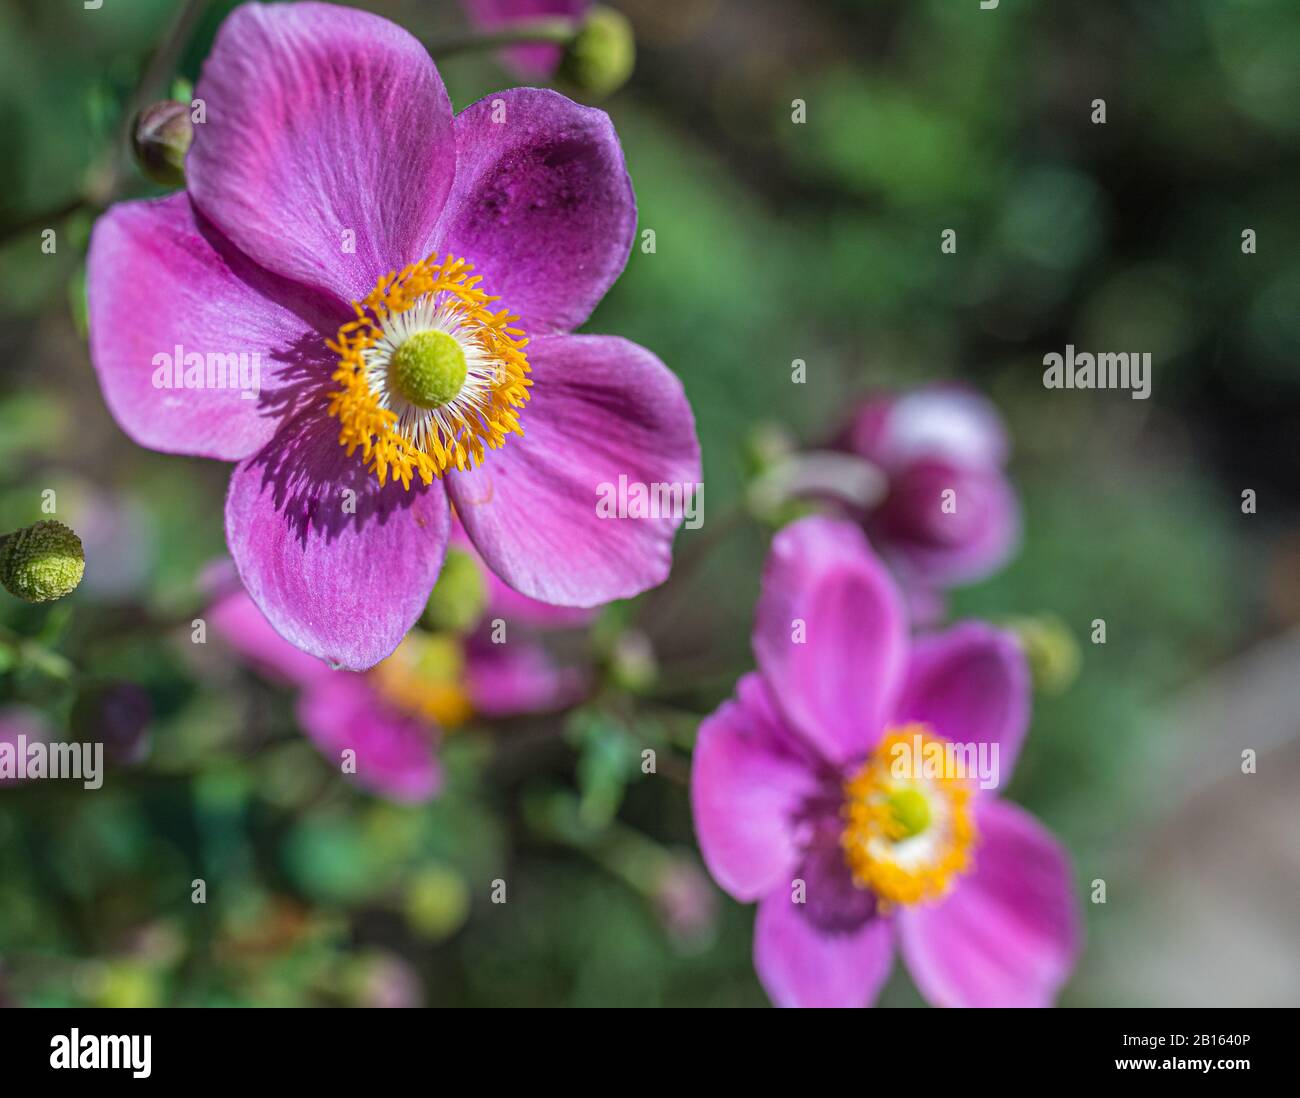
point(604, 413)
point(163, 283)
point(341, 567)
point(327, 152)
point(542, 205)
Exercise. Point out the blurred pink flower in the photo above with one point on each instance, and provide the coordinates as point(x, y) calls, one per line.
point(803, 800)
point(537, 61)
point(394, 715)
point(21, 721)
point(928, 443)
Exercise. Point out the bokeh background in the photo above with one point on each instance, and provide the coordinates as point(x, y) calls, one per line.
point(774, 242)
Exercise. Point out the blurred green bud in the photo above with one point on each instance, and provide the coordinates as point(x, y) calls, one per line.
point(459, 597)
point(632, 662)
point(161, 137)
point(1051, 650)
point(124, 984)
point(436, 903)
point(42, 562)
point(600, 59)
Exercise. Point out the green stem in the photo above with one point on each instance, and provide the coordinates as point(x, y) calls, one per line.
point(32, 653)
point(552, 32)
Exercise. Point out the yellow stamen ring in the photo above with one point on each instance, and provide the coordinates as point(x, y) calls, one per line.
point(425, 677)
point(906, 837)
point(412, 402)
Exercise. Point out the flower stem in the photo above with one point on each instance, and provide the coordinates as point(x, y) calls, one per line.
point(30, 653)
point(553, 32)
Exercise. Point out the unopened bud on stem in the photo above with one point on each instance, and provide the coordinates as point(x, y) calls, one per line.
point(42, 562)
point(161, 137)
point(600, 58)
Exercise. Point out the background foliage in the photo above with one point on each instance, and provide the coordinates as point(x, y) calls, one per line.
point(774, 242)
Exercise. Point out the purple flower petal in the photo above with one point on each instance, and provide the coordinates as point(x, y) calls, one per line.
point(159, 279)
point(506, 680)
point(19, 721)
point(938, 546)
point(394, 754)
point(1009, 933)
point(542, 205)
point(322, 121)
point(343, 585)
point(537, 60)
point(803, 964)
point(601, 408)
point(948, 422)
point(237, 620)
point(830, 636)
point(970, 684)
point(750, 779)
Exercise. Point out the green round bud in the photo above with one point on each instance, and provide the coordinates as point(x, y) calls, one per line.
point(601, 57)
point(429, 369)
point(459, 597)
point(436, 902)
point(1051, 651)
point(42, 562)
point(160, 137)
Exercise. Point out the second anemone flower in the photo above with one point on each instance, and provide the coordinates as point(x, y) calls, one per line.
point(365, 303)
point(845, 789)
point(482, 656)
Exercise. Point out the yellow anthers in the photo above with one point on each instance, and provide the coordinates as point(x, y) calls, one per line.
point(425, 677)
point(907, 833)
point(443, 424)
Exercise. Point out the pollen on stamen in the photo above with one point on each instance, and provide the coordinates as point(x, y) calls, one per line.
point(401, 440)
point(906, 837)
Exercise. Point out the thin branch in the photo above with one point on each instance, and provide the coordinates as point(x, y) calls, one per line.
point(544, 32)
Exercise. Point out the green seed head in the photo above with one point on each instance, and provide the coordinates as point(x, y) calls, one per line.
point(601, 57)
point(42, 562)
point(911, 811)
point(428, 370)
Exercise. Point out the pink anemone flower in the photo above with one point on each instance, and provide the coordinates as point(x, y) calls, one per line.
point(845, 789)
point(537, 60)
point(315, 308)
point(949, 515)
point(393, 716)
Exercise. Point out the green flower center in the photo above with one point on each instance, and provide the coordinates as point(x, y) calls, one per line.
point(911, 811)
point(428, 370)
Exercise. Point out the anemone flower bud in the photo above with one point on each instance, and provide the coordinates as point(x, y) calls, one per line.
point(161, 137)
point(459, 597)
point(42, 562)
point(601, 57)
point(1051, 649)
